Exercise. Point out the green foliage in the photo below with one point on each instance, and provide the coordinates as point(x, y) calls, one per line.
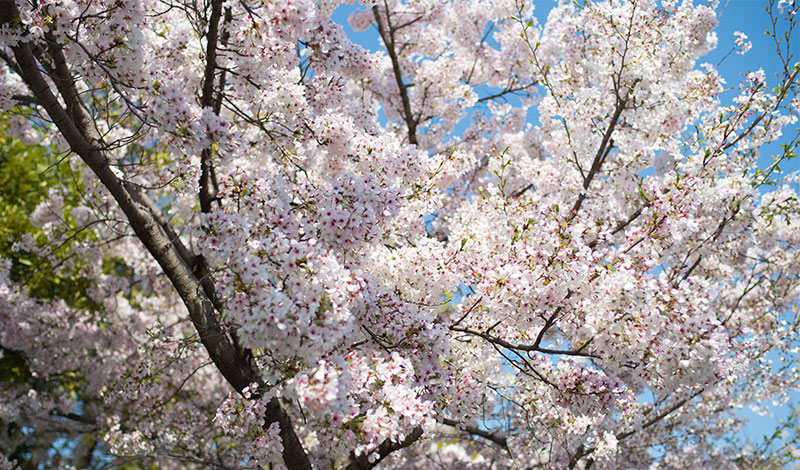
point(27, 174)
point(24, 182)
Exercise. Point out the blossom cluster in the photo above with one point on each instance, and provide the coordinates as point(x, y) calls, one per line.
point(392, 243)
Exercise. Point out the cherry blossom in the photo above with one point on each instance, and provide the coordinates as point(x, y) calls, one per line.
point(489, 243)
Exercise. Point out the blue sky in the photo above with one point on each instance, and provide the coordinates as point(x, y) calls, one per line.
point(746, 16)
point(750, 17)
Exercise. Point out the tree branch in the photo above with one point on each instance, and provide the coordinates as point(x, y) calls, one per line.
point(521, 347)
point(623, 223)
point(387, 447)
point(475, 431)
point(76, 127)
point(602, 153)
point(387, 35)
point(208, 100)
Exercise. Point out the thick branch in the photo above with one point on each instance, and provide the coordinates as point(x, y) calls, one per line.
point(386, 448)
point(77, 129)
point(475, 431)
point(25, 99)
point(207, 183)
point(208, 100)
point(143, 223)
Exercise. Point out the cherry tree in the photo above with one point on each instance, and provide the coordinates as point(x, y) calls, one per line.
point(298, 253)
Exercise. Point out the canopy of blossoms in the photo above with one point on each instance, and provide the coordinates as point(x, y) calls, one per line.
point(303, 254)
